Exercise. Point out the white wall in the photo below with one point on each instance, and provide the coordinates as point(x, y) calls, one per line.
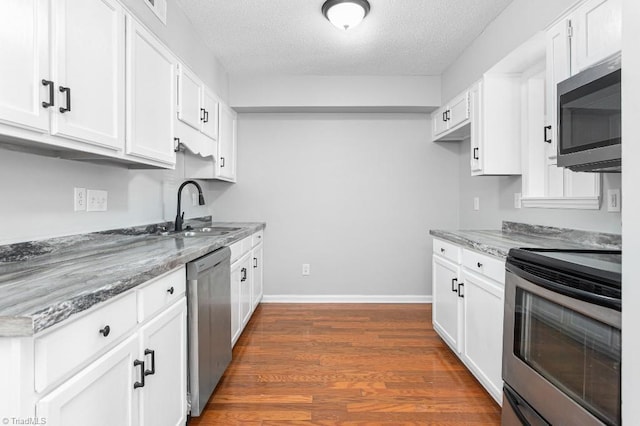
point(516, 24)
point(37, 195)
point(260, 93)
point(354, 195)
point(630, 209)
point(496, 195)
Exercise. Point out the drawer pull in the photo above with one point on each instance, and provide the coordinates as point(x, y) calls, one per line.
point(153, 362)
point(243, 274)
point(442, 250)
point(139, 384)
point(460, 287)
point(105, 331)
point(453, 285)
point(170, 290)
point(255, 262)
point(479, 265)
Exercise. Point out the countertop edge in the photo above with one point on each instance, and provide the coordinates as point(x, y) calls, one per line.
point(36, 322)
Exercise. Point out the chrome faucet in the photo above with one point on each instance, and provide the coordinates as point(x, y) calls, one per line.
point(180, 215)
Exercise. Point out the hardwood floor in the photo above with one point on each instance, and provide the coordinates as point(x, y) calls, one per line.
point(364, 364)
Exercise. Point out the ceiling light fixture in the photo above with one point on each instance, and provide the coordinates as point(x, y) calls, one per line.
point(345, 14)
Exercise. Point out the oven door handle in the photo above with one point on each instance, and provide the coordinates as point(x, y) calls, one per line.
point(607, 302)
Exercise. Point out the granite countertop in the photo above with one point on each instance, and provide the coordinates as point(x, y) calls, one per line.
point(44, 282)
point(499, 242)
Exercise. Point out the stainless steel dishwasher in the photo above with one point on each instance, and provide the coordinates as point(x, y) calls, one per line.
point(209, 322)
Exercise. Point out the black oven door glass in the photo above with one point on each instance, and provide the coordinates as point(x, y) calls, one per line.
point(577, 354)
point(590, 116)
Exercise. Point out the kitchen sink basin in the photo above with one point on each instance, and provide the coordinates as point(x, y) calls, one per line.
point(213, 231)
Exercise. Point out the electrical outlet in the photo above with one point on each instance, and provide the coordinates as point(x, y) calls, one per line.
point(517, 200)
point(306, 269)
point(79, 199)
point(613, 200)
point(476, 203)
point(96, 200)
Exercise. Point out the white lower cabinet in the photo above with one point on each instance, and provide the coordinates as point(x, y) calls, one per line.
point(240, 296)
point(257, 291)
point(117, 371)
point(446, 313)
point(482, 330)
point(163, 396)
point(246, 281)
point(101, 394)
point(468, 303)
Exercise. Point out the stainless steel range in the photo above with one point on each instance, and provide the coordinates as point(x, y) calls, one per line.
point(562, 320)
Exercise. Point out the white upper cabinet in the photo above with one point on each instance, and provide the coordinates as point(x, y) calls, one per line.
point(26, 89)
point(210, 113)
point(450, 118)
point(88, 71)
point(197, 104)
point(151, 101)
point(226, 161)
point(495, 125)
point(58, 81)
point(189, 98)
point(597, 32)
point(558, 68)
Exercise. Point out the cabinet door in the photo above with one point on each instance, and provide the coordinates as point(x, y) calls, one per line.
point(24, 50)
point(483, 316)
point(164, 347)
point(446, 311)
point(439, 120)
point(236, 320)
point(558, 68)
point(226, 167)
point(190, 109)
point(151, 83)
point(458, 110)
point(597, 32)
point(257, 275)
point(477, 128)
point(246, 291)
point(89, 71)
point(210, 104)
point(101, 394)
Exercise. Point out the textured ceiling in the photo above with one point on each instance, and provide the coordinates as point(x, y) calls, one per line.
point(398, 37)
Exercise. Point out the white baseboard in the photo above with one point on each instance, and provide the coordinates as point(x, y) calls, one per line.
point(348, 298)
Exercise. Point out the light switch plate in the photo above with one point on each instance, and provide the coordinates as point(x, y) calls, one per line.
point(306, 269)
point(96, 200)
point(476, 203)
point(517, 200)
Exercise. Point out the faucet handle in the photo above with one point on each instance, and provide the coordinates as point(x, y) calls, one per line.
point(182, 216)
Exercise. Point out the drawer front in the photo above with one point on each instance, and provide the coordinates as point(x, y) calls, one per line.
point(447, 250)
point(160, 293)
point(65, 349)
point(257, 238)
point(239, 248)
point(484, 264)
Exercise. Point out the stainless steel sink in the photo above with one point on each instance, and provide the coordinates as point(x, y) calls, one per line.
point(214, 231)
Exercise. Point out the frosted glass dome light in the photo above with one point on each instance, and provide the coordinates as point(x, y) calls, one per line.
point(345, 14)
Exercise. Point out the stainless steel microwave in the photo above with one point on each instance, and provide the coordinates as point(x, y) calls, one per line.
point(589, 119)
